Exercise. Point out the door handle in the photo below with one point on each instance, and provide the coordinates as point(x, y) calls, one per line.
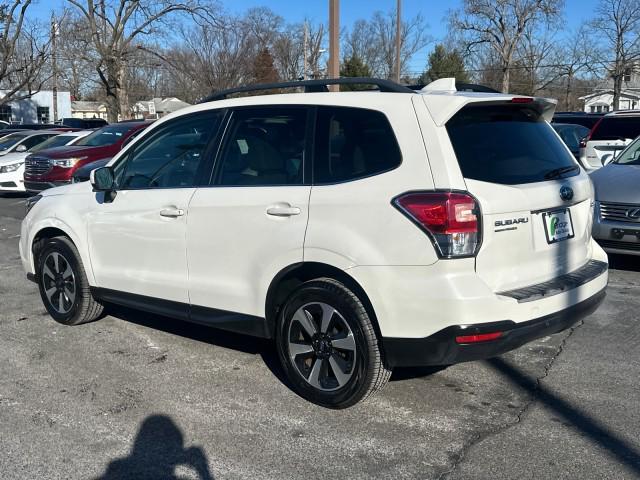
point(171, 212)
point(283, 210)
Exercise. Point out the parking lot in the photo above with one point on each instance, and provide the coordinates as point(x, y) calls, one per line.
point(92, 401)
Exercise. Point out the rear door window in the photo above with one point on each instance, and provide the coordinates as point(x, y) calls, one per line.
point(264, 146)
point(617, 128)
point(353, 143)
point(508, 144)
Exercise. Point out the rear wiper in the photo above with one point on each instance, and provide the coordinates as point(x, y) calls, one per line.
point(558, 172)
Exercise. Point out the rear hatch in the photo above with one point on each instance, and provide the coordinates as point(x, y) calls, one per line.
point(535, 201)
point(609, 137)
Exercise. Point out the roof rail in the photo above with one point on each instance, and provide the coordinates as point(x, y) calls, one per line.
point(319, 85)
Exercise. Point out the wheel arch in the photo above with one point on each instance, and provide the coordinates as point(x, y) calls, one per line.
point(52, 229)
point(289, 278)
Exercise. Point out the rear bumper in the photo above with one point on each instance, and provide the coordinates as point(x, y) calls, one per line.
point(441, 348)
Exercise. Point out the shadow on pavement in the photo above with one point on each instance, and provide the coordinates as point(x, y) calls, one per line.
point(206, 334)
point(408, 373)
point(630, 263)
point(624, 452)
point(156, 452)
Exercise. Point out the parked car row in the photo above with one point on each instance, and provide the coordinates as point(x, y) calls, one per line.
point(34, 160)
point(610, 152)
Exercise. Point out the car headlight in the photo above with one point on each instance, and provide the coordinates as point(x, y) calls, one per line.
point(66, 162)
point(11, 168)
point(31, 201)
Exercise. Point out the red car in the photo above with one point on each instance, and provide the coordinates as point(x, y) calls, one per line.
point(55, 166)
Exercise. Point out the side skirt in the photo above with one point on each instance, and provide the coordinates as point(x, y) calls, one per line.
point(213, 317)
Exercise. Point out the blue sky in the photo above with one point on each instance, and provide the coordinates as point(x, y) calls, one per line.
point(434, 12)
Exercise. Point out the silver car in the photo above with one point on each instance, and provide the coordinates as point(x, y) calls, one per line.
point(616, 224)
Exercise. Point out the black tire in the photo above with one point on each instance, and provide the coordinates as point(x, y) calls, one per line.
point(349, 325)
point(71, 302)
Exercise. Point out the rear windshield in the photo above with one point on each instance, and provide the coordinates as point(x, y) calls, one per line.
point(617, 128)
point(508, 144)
point(106, 135)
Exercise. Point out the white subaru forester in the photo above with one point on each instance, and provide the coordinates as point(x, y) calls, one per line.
point(359, 230)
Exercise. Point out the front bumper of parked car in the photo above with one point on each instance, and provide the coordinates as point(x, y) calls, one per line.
point(615, 233)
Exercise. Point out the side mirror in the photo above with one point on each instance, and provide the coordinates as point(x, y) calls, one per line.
point(21, 148)
point(606, 159)
point(102, 179)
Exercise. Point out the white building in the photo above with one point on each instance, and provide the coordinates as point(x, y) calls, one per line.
point(88, 109)
point(157, 107)
point(36, 109)
point(601, 100)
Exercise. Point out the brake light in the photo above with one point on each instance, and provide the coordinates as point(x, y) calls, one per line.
point(522, 100)
point(481, 337)
point(583, 142)
point(450, 219)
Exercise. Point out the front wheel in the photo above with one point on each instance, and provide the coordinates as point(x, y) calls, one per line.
point(328, 346)
point(63, 283)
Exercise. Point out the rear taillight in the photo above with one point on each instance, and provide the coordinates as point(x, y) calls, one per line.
point(583, 142)
point(450, 219)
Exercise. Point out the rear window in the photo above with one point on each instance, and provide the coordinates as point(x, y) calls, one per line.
point(353, 143)
point(508, 144)
point(617, 128)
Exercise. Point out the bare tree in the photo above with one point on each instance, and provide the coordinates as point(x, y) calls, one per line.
point(500, 25)
point(23, 53)
point(115, 28)
point(617, 25)
point(577, 56)
point(288, 50)
point(373, 42)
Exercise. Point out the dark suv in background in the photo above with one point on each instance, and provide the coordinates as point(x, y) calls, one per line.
point(84, 123)
point(56, 166)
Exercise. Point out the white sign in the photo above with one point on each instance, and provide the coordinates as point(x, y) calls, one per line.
point(152, 108)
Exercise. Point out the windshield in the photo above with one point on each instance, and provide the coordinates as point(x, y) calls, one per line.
point(10, 140)
point(617, 128)
point(631, 155)
point(105, 136)
point(508, 144)
point(57, 141)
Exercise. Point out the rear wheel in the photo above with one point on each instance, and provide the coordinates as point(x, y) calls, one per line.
point(328, 346)
point(63, 284)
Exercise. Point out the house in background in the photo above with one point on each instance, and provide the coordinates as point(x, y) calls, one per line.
point(38, 108)
point(157, 107)
point(88, 109)
point(601, 100)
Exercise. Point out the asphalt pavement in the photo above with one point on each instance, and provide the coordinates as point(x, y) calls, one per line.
point(137, 396)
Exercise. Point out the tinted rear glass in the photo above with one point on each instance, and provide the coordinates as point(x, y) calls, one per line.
point(353, 143)
point(507, 144)
point(614, 128)
point(587, 121)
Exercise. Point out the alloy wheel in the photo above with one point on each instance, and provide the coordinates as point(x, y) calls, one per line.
point(322, 346)
point(59, 282)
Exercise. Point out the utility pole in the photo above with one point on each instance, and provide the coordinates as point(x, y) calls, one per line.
point(334, 42)
point(398, 33)
point(54, 66)
point(305, 47)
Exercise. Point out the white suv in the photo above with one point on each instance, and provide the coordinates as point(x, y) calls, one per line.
point(608, 137)
point(359, 230)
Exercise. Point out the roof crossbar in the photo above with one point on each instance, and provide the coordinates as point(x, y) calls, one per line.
point(319, 85)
